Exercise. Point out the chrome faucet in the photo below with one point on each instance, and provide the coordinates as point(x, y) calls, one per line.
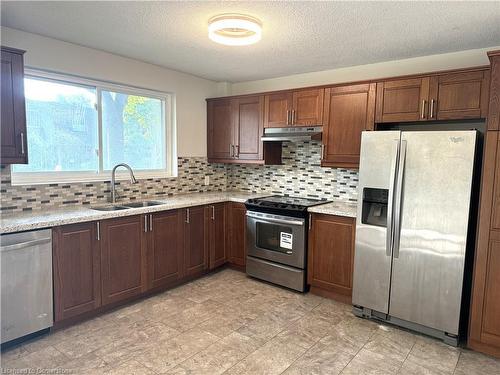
point(133, 180)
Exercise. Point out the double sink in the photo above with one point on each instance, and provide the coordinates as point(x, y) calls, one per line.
point(127, 206)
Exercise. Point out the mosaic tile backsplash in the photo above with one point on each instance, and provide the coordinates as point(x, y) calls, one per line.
point(191, 179)
point(300, 175)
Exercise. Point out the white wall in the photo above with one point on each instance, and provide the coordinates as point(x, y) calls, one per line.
point(455, 60)
point(191, 91)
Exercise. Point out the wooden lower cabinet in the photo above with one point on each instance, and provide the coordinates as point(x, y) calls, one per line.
point(484, 325)
point(165, 251)
point(195, 240)
point(217, 235)
point(236, 215)
point(77, 270)
point(123, 258)
point(331, 256)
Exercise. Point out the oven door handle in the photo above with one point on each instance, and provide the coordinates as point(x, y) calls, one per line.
point(275, 221)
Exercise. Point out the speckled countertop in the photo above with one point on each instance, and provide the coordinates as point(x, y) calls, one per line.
point(339, 208)
point(18, 222)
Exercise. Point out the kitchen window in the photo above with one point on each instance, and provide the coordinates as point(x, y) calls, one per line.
point(79, 129)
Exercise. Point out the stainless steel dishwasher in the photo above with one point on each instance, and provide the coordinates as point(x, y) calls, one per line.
point(26, 278)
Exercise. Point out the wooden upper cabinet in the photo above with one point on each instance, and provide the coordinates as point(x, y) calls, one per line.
point(331, 255)
point(123, 258)
point(348, 110)
point(402, 100)
point(249, 127)
point(294, 108)
point(217, 234)
point(308, 107)
point(165, 253)
point(220, 129)
point(278, 107)
point(195, 240)
point(459, 96)
point(453, 96)
point(14, 145)
point(77, 270)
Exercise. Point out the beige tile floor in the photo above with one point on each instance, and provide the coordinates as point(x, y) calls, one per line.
point(226, 323)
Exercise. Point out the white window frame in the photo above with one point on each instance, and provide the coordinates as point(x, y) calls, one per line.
point(168, 100)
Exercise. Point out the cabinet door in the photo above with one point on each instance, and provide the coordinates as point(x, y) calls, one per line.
point(13, 126)
point(331, 255)
point(308, 107)
point(220, 120)
point(402, 100)
point(217, 234)
point(195, 240)
point(165, 252)
point(123, 258)
point(277, 111)
point(459, 96)
point(249, 127)
point(76, 260)
point(348, 111)
point(236, 236)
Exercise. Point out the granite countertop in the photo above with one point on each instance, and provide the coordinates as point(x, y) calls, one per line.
point(23, 221)
point(339, 208)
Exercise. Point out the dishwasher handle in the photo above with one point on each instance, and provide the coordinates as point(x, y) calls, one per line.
point(23, 245)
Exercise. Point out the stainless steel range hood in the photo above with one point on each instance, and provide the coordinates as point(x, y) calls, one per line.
point(292, 134)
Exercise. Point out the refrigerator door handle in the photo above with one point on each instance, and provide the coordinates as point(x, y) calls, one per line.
point(390, 215)
point(399, 199)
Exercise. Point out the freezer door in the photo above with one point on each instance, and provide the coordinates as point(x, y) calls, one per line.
point(431, 219)
point(372, 259)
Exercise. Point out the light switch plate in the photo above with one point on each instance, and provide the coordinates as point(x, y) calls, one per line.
point(207, 180)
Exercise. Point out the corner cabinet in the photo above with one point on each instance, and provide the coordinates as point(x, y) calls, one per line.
point(294, 108)
point(348, 110)
point(452, 96)
point(484, 324)
point(14, 145)
point(331, 256)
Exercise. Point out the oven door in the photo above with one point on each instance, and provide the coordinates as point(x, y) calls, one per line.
point(276, 238)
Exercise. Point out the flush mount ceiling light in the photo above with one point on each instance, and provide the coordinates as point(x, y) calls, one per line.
point(234, 29)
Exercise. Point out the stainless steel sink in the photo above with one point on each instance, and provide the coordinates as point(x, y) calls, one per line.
point(142, 204)
point(110, 208)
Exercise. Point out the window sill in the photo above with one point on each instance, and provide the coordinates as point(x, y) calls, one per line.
point(46, 179)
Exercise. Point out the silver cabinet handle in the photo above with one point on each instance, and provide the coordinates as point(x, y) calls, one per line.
point(293, 117)
point(23, 151)
point(150, 223)
point(310, 221)
point(187, 215)
point(237, 150)
point(213, 212)
point(431, 111)
point(422, 111)
point(322, 151)
point(288, 113)
point(145, 223)
point(98, 225)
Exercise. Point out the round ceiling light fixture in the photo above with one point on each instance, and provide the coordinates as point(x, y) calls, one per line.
point(234, 29)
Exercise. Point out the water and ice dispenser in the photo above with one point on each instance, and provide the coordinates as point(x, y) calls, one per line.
point(374, 210)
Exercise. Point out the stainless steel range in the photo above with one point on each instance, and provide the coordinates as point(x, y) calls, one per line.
point(276, 239)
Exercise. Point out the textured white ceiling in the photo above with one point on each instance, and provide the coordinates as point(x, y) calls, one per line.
point(298, 37)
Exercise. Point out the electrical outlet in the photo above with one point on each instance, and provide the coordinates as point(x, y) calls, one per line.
point(207, 180)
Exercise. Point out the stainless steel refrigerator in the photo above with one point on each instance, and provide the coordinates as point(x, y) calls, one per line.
point(411, 228)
